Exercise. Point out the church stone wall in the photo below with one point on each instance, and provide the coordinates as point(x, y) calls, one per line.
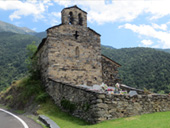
point(95, 107)
point(74, 60)
point(43, 61)
point(109, 72)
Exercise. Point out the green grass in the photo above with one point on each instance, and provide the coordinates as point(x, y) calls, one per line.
point(64, 120)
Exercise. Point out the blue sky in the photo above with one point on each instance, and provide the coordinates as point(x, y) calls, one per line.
point(121, 23)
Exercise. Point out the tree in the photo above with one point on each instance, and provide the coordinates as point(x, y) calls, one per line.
point(31, 60)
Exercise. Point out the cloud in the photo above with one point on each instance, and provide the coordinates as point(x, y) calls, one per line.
point(34, 29)
point(25, 8)
point(147, 42)
point(149, 31)
point(99, 11)
point(54, 16)
point(120, 10)
point(162, 26)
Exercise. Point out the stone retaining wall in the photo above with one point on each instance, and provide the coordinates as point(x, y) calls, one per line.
point(95, 107)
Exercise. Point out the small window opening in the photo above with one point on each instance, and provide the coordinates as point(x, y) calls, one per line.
point(71, 19)
point(77, 51)
point(80, 19)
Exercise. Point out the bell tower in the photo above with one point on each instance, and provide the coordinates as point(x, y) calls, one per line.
point(74, 16)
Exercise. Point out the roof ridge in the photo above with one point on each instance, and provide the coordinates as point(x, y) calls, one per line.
point(75, 6)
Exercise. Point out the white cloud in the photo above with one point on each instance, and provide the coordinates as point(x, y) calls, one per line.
point(54, 18)
point(21, 8)
point(149, 31)
point(162, 26)
point(147, 42)
point(120, 10)
point(56, 14)
point(34, 29)
point(98, 10)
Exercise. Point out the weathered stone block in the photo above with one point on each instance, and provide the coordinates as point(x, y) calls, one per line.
point(101, 96)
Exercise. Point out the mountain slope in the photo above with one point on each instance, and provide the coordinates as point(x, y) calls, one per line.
point(12, 56)
point(142, 67)
point(165, 50)
point(6, 27)
point(41, 35)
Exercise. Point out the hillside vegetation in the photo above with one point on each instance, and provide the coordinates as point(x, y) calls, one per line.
point(142, 67)
point(12, 56)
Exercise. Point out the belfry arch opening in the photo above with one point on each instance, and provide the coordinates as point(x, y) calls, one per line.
point(80, 19)
point(71, 19)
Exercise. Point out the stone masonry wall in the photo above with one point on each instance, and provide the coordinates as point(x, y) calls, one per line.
point(65, 16)
point(74, 99)
point(95, 107)
point(109, 72)
point(43, 62)
point(74, 60)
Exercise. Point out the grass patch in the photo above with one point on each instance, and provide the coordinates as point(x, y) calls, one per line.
point(32, 87)
point(23, 90)
point(66, 104)
point(19, 111)
point(64, 120)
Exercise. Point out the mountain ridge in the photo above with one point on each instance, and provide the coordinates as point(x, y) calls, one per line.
point(7, 27)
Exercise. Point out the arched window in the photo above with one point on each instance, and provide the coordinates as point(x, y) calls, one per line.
point(71, 19)
point(80, 19)
point(77, 51)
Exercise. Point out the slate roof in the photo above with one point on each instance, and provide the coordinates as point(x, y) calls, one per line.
point(62, 24)
point(111, 60)
point(75, 6)
point(54, 26)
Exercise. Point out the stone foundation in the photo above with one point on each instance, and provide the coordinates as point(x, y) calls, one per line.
point(95, 107)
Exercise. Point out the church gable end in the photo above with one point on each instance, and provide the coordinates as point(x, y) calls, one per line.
point(109, 71)
point(73, 50)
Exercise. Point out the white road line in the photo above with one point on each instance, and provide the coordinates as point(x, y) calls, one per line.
point(25, 125)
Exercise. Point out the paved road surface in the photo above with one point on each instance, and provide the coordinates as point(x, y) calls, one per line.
point(9, 121)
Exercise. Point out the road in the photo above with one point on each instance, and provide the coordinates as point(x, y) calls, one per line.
point(9, 120)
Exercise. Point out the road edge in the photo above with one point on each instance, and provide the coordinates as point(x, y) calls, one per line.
point(23, 123)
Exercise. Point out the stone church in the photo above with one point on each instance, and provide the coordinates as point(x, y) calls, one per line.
point(71, 53)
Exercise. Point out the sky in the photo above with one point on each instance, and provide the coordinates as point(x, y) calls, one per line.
point(121, 23)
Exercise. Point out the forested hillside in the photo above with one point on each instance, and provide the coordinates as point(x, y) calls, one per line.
point(12, 56)
point(165, 50)
point(142, 67)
